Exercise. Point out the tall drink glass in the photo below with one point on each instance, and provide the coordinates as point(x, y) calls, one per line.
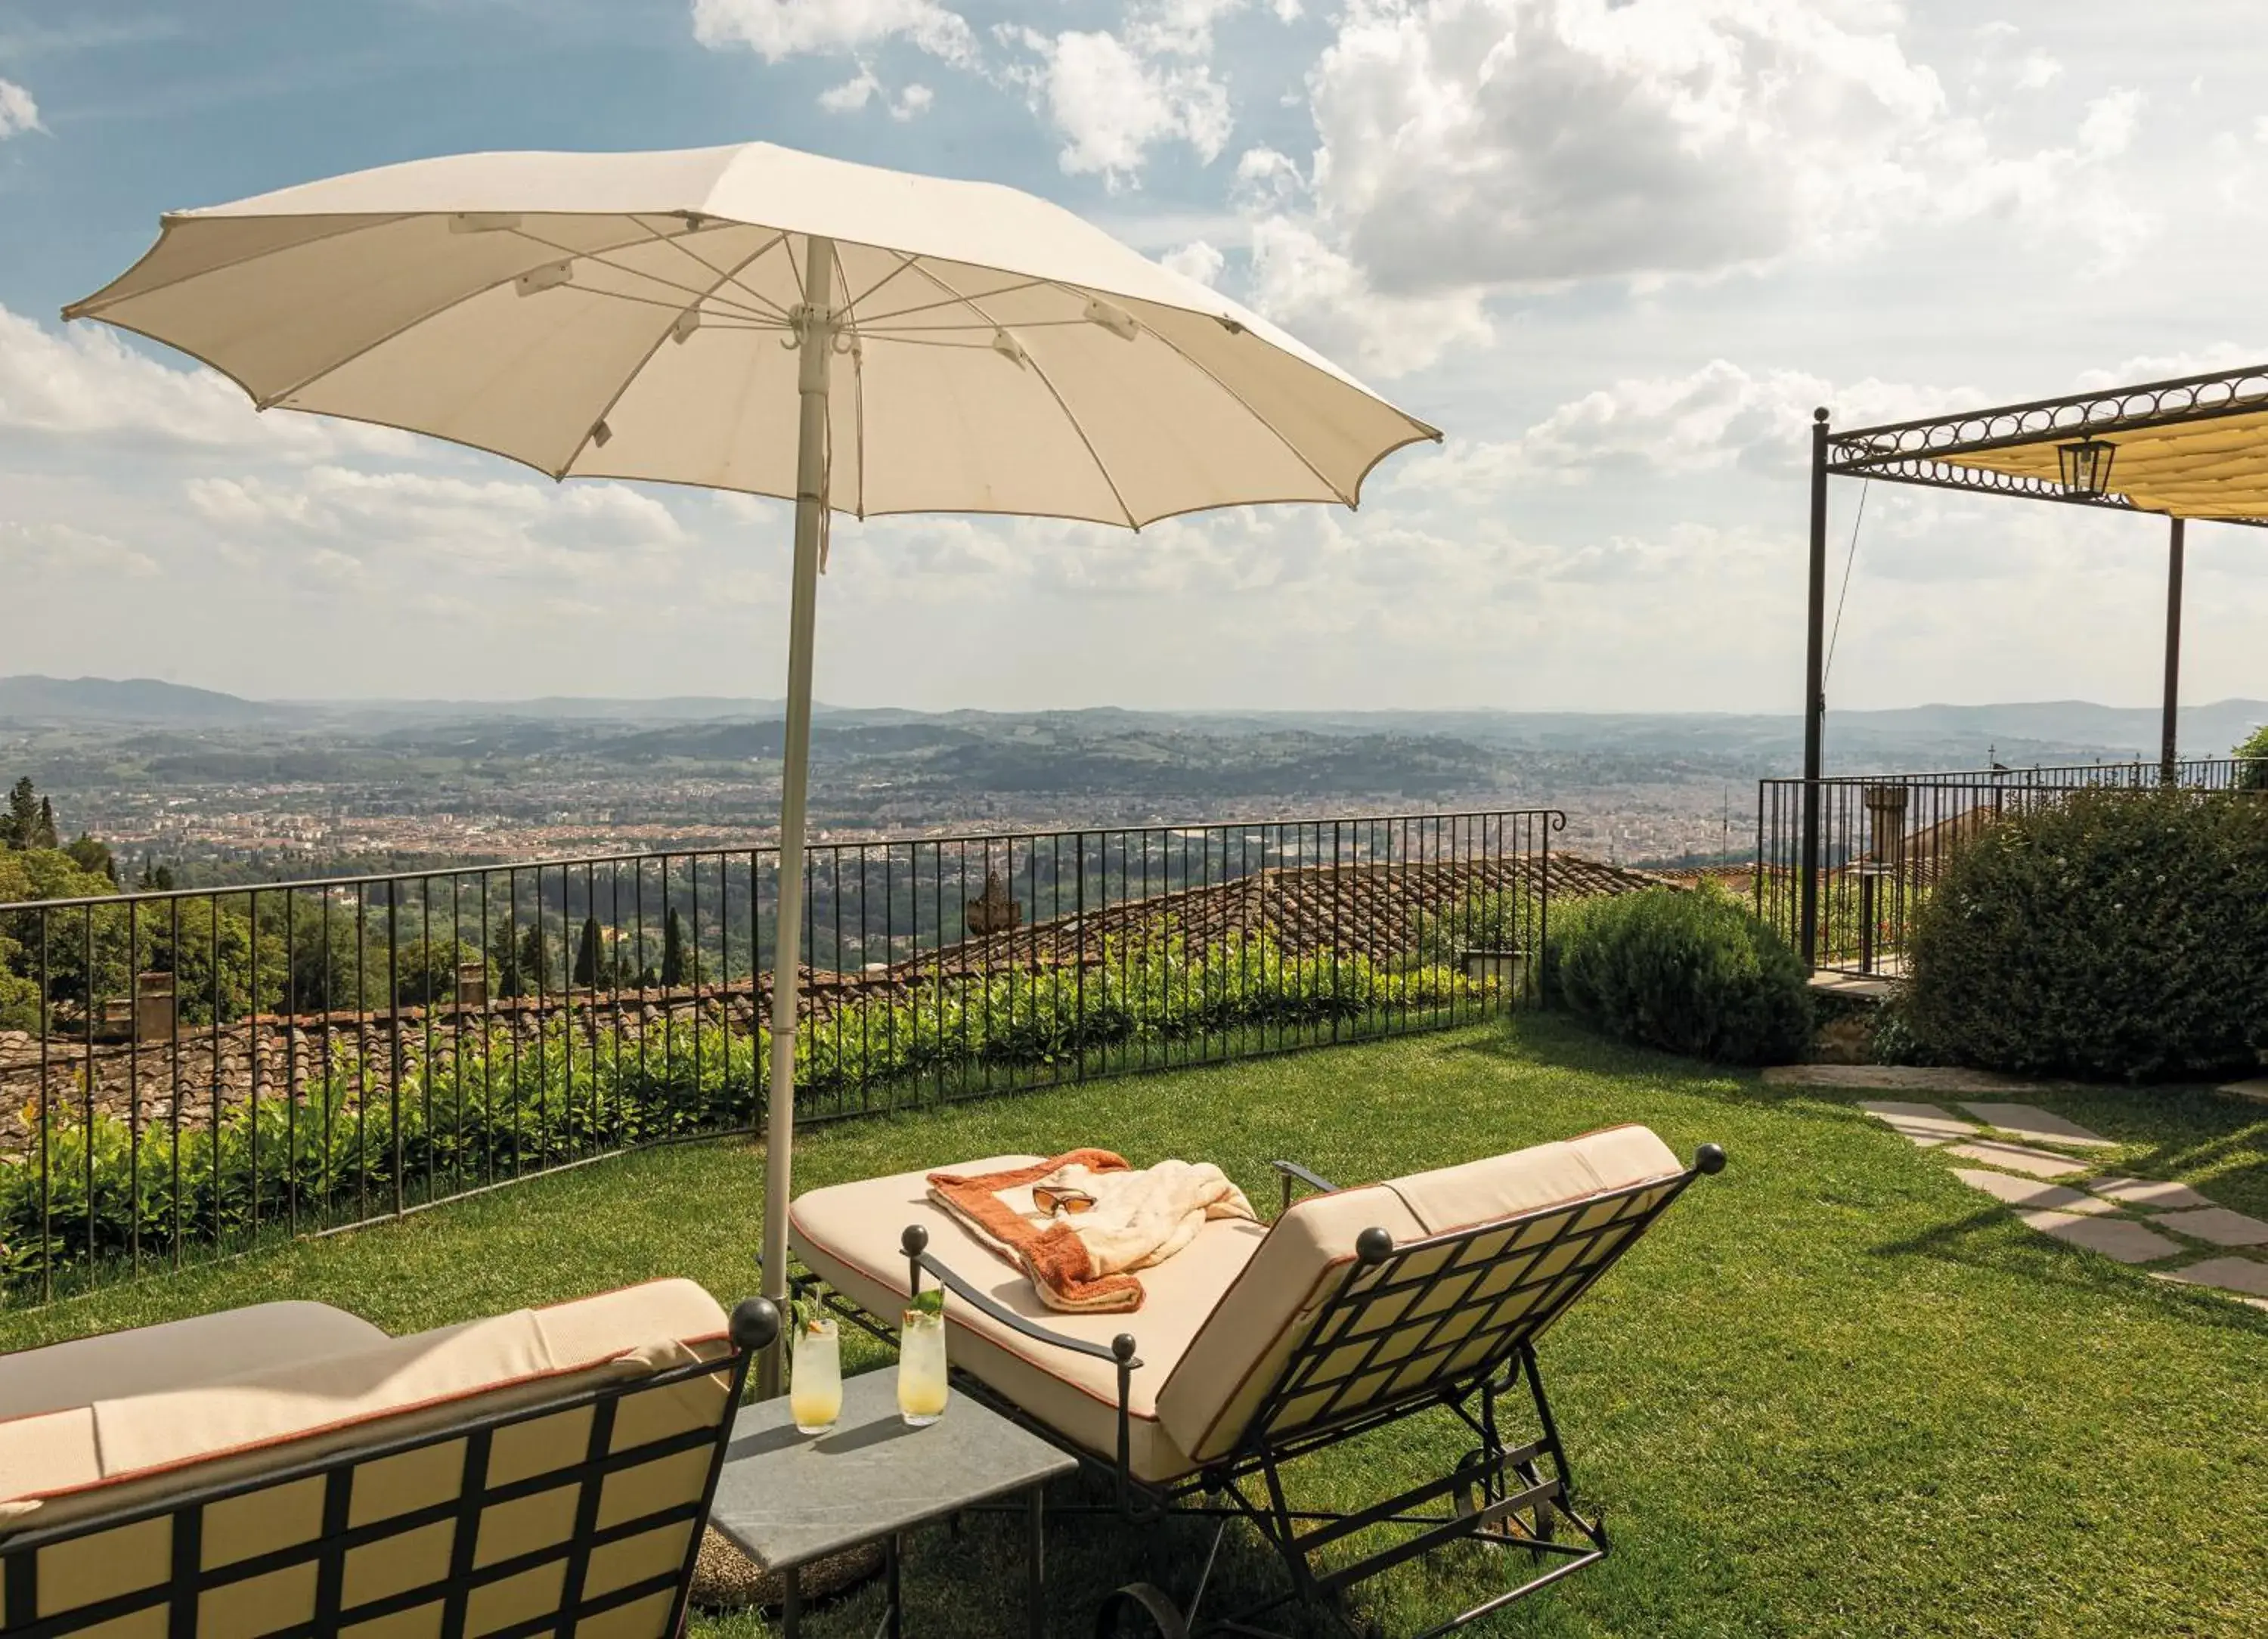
point(815, 1375)
point(921, 1368)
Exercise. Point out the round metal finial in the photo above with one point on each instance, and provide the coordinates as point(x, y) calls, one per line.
point(1820, 413)
point(915, 1241)
point(1122, 1348)
point(1373, 1245)
point(1710, 1158)
point(756, 1323)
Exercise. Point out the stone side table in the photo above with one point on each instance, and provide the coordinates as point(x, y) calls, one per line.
point(786, 1499)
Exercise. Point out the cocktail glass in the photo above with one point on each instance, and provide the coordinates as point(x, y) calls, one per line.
point(921, 1368)
point(815, 1377)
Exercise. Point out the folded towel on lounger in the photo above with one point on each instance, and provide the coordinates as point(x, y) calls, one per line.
point(1081, 1224)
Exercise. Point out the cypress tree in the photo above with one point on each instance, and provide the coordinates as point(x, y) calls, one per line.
point(673, 950)
point(587, 953)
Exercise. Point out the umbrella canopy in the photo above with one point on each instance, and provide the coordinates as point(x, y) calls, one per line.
point(621, 315)
point(751, 318)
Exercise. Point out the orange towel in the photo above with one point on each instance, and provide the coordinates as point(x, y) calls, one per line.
point(1062, 1269)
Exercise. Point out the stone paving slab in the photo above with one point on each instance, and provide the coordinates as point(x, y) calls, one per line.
point(2218, 1226)
point(2041, 1127)
point(1896, 1078)
point(2155, 1193)
point(2243, 1275)
point(2016, 1158)
point(2030, 1191)
point(1925, 1124)
point(2119, 1238)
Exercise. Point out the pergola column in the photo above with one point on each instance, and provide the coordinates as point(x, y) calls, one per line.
point(1814, 700)
point(2167, 752)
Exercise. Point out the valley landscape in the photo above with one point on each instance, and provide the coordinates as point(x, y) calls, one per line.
point(228, 788)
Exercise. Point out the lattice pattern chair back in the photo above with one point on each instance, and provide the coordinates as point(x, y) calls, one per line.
point(1429, 1317)
point(578, 1515)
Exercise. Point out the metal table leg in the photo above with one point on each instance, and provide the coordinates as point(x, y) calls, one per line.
point(1035, 1568)
point(791, 1607)
point(892, 1551)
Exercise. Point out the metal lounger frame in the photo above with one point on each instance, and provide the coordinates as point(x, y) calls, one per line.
point(755, 1326)
point(1514, 1275)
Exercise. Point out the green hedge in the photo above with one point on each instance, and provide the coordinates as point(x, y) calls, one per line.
point(494, 1109)
point(2119, 934)
point(1693, 972)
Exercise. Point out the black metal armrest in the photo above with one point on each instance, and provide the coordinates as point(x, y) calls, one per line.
point(914, 1242)
point(1294, 1173)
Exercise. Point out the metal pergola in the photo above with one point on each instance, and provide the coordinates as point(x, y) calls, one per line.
point(2192, 448)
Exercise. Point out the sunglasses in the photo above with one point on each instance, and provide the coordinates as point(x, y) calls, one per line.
point(1056, 1203)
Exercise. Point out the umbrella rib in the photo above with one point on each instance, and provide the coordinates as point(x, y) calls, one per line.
point(880, 283)
point(631, 376)
point(942, 329)
point(778, 238)
point(395, 334)
point(957, 300)
point(600, 257)
point(1047, 381)
point(1245, 405)
point(858, 386)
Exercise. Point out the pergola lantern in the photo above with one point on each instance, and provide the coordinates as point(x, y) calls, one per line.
point(2195, 447)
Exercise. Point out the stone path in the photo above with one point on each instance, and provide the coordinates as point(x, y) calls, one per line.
point(2131, 1220)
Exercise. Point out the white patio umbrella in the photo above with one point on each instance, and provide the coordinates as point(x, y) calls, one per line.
point(751, 318)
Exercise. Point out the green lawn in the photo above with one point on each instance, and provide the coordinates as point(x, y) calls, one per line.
point(1835, 1392)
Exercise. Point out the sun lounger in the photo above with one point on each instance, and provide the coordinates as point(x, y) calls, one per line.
point(1259, 1343)
point(290, 1468)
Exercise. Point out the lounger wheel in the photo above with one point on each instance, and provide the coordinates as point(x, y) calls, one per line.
point(1136, 1609)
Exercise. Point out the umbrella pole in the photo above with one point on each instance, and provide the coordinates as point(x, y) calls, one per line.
point(815, 331)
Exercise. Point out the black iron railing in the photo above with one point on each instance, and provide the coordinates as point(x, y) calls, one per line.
point(188, 1072)
point(1884, 838)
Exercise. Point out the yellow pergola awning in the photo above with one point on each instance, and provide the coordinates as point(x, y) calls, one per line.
point(2197, 447)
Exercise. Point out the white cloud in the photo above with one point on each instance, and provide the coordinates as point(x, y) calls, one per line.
point(18, 111)
point(1534, 142)
point(1511, 141)
point(912, 102)
point(853, 94)
point(779, 29)
point(64, 550)
point(1720, 416)
point(2036, 71)
point(1183, 27)
point(2172, 366)
point(2109, 126)
point(1323, 297)
point(1112, 104)
point(1196, 260)
point(590, 530)
point(86, 382)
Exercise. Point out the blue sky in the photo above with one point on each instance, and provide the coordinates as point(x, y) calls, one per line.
point(1617, 250)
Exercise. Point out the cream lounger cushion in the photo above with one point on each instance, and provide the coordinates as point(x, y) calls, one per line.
point(1220, 1318)
point(116, 1451)
point(179, 1354)
point(847, 1235)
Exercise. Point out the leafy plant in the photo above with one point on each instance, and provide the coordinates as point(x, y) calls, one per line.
point(1692, 972)
point(488, 1105)
point(2253, 775)
point(2120, 934)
